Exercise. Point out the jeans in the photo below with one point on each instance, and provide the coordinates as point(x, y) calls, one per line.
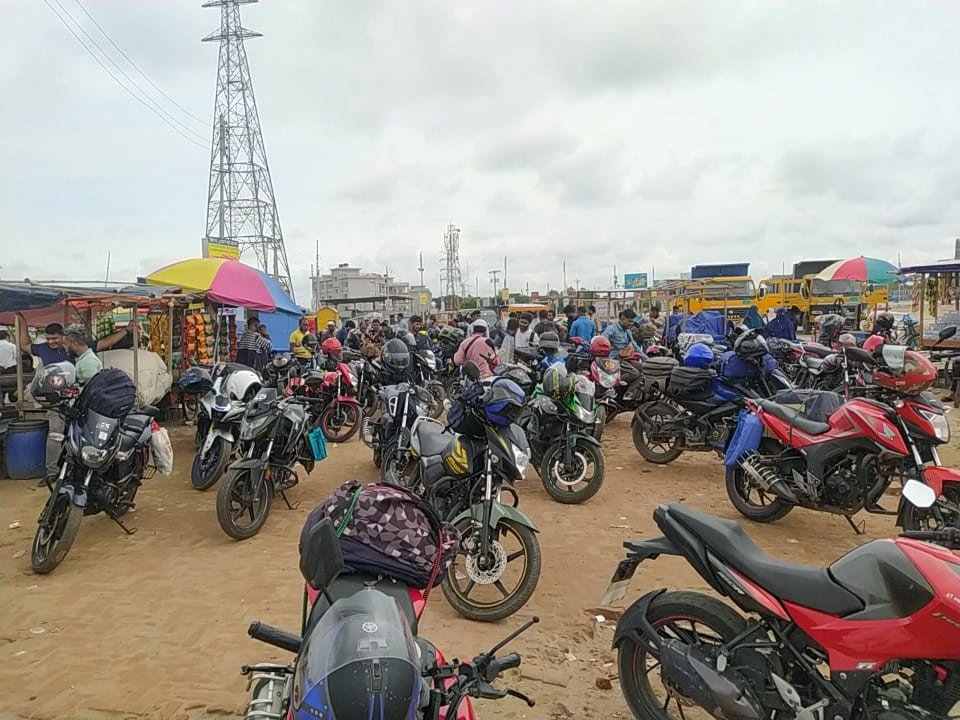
point(53, 446)
point(630, 374)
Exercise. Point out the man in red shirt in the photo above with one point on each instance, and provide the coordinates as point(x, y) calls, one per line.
point(478, 349)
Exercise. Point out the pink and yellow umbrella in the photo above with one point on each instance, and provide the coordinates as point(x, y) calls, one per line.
point(228, 282)
point(860, 269)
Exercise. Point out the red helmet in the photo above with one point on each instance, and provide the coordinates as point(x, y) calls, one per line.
point(872, 343)
point(600, 346)
point(331, 346)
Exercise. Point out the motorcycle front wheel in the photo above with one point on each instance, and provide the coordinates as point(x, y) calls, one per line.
point(340, 421)
point(432, 396)
point(393, 468)
point(577, 482)
point(689, 617)
point(507, 580)
point(243, 502)
point(647, 434)
point(207, 469)
point(55, 537)
point(936, 517)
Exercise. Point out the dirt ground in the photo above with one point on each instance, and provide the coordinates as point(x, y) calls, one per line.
point(154, 625)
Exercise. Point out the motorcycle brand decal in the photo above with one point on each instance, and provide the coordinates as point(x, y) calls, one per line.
point(456, 461)
point(866, 666)
point(945, 618)
point(732, 583)
point(886, 432)
point(369, 627)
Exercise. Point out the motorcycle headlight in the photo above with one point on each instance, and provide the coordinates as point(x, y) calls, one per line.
point(94, 458)
point(941, 428)
point(585, 416)
point(521, 459)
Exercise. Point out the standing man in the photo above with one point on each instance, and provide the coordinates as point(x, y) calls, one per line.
point(296, 341)
point(343, 332)
point(419, 333)
point(253, 348)
point(525, 337)
point(477, 349)
point(508, 341)
point(329, 332)
point(8, 354)
point(86, 362)
point(582, 327)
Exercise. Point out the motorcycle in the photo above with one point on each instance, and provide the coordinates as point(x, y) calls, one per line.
point(273, 437)
point(874, 635)
point(566, 451)
point(103, 460)
point(389, 434)
point(431, 391)
point(341, 416)
point(361, 641)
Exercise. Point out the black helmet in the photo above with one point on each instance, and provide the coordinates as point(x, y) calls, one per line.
point(196, 381)
point(830, 326)
point(550, 341)
point(408, 338)
point(395, 356)
point(885, 321)
point(751, 345)
point(309, 341)
point(518, 375)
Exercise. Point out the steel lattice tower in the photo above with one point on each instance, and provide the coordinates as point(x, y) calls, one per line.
point(451, 266)
point(241, 208)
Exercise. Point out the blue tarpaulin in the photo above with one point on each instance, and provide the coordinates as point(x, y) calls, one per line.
point(706, 322)
point(17, 298)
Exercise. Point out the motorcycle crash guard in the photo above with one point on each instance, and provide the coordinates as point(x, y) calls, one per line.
point(497, 513)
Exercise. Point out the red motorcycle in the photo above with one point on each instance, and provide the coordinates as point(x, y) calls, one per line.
point(874, 636)
point(334, 394)
point(360, 654)
point(841, 457)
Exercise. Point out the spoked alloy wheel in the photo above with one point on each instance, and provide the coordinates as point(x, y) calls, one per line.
point(340, 421)
point(208, 468)
point(684, 616)
point(243, 502)
point(751, 500)
point(55, 538)
point(649, 439)
point(577, 482)
point(495, 589)
point(940, 516)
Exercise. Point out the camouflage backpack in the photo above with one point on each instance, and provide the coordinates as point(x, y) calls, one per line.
point(388, 530)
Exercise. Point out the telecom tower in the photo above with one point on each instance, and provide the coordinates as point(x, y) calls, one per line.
point(451, 267)
point(241, 209)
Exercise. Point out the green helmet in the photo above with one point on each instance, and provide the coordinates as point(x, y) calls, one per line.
point(557, 383)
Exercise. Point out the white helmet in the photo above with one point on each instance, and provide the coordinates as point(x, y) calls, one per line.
point(242, 385)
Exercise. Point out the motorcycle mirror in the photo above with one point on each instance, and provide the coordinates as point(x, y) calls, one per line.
point(919, 495)
point(947, 333)
point(471, 371)
point(321, 558)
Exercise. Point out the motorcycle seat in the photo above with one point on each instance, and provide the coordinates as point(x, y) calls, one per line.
point(351, 583)
point(794, 417)
point(433, 438)
point(821, 351)
point(136, 423)
point(811, 362)
point(811, 587)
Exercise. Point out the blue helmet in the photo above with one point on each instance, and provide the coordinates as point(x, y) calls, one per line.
point(699, 355)
point(503, 402)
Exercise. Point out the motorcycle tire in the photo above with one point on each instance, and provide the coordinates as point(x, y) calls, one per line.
point(601, 423)
point(50, 548)
point(340, 421)
point(688, 616)
point(774, 509)
point(559, 487)
point(915, 518)
point(511, 602)
point(648, 450)
point(390, 471)
point(244, 492)
point(204, 478)
point(432, 401)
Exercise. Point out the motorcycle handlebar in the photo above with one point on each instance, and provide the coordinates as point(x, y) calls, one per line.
point(275, 636)
point(945, 535)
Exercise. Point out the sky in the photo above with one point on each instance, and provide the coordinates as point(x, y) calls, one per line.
point(634, 134)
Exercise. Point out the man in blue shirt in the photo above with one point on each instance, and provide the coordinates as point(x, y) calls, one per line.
point(624, 347)
point(582, 327)
point(50, 352)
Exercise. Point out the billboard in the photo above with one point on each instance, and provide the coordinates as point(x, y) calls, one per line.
point(220, 248)
point(635, 281)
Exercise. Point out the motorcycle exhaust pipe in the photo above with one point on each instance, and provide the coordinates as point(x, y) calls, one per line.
point(767, 478)
point(690, 671)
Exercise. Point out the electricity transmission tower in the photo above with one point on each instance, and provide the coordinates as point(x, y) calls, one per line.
point(451, 267)
point(241, 208)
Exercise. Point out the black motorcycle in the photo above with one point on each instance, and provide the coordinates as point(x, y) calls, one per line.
point(389, 433)
point(104, 457)
point(273, 437)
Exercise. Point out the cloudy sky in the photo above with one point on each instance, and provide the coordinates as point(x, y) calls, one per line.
point(639, 134)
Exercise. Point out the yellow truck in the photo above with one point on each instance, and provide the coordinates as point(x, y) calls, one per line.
point(725, 288)
point(814, 297)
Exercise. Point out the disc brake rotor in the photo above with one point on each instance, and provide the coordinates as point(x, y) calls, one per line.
point(492, 573)
point(563, 474)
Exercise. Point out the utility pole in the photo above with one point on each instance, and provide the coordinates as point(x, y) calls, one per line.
point(505, 271)
point(421, 268)
point(564, 288)
point(495, 281)
point(616, 281)
point(241, 207)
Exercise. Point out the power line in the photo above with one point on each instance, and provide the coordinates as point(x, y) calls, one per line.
point(118, 81)
point(136, 67)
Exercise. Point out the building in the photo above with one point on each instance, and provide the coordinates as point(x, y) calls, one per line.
point(355, 293)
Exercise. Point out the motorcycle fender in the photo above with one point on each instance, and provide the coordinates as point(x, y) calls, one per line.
point(77, 495)
point(348, 399)
point(497, 513)
point(937, 477)
point(244, 463)
point(634, 624)
point(576, 437)
point(213, 433)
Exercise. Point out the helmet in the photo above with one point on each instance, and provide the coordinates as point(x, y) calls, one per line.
point(196, 381)
point(242, 385)
point(830, 326)
point(517, 375)
point(280, 362)
point(309, 341)
point(904, 371)
point(600, 347)
point(503, 402)
point(873, 343)
point(751, 345)
point(847, 340)
point(331, 346)
point(698, 355)
point(52, 382)
point(395, 356)
point(407, 338)
point(557, 383)
point(884, 322)
point(550, 341)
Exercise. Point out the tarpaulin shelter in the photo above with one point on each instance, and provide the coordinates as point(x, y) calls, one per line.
point(927, 283)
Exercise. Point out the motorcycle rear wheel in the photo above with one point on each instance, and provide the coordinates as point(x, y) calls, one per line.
point(244, 492)
point(586, 473)
point(50, 546)
point(686, 616)
point(752, 502)
point(659, 452)
point(204, 475)
point(340, 421)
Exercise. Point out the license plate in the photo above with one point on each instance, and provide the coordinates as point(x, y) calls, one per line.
point(620, 582)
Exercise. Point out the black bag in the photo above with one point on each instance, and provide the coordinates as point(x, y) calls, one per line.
point(460, 416)
point(691, 383)
point(110, 392)
point(656, 372)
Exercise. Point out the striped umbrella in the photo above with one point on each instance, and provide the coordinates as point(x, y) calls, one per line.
point(860, 269)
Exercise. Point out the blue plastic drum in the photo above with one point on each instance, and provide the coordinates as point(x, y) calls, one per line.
point(26, 449)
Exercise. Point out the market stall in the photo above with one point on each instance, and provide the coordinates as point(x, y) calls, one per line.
point(936, 299)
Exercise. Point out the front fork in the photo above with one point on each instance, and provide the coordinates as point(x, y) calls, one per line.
point(485, 516)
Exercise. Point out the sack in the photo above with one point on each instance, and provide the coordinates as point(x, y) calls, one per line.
point(110, 392)
point(746, 438)
point(162, 450)
point(691, 383)
point(318, 444)
point(387, 530)
point(460, 417)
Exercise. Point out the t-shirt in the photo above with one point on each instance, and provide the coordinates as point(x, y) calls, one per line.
point(48, 356)
point(8, 354)
point(88, 365)
point(526, 339)
point(296, 337)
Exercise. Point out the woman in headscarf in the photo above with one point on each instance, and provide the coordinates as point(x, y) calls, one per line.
point(781, 326)
point(753, 319)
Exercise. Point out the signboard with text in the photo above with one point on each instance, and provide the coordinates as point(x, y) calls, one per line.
point(220, 248)
point(635, 281)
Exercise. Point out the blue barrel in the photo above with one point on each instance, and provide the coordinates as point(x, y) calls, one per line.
point(26, 449)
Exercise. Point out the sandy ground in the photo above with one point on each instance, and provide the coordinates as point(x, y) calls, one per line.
point(154, 625)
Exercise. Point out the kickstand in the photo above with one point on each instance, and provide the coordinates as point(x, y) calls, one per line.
point(119, 522)
point(858, 529)
point(292, 507)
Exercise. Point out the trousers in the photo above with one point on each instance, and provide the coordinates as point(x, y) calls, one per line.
point(53, 446)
